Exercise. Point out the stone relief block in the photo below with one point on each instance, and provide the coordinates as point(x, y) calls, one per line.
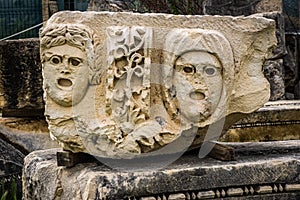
point(124, 85)
point(128, 81)
point(21, 77)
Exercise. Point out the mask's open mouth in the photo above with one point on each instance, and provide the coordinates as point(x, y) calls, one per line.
point(197, 95)
point(63, 82)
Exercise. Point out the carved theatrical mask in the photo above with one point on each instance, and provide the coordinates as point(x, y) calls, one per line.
point(197, 83)
point(124, 85)
point(66, 74)
point(199, 71)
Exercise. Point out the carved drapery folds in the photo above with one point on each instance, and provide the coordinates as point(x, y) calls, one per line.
point(122, 85)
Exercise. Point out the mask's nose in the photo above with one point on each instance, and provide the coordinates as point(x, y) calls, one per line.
point(198, 79)
point(65, 69)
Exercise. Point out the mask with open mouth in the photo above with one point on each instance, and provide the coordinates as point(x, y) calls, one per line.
point(66, 74)
point(197, 75)
point(64, 83)
point(198, 83)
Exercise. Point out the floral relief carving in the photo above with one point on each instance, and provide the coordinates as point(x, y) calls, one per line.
point(128, 87)
point(124, 85)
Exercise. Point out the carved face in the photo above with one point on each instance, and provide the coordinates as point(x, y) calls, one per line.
point(66, 74)
point(198, 84)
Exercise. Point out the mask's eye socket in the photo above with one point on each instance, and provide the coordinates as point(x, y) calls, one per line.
point(55, 60)
point(74, 61)
point(210, 71)
point(188, 69)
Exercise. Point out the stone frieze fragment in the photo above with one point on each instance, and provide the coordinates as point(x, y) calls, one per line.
point(124, 85)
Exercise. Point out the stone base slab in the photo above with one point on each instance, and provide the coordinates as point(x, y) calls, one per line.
point(258, 176)
point(26, 134)
point(275, 121)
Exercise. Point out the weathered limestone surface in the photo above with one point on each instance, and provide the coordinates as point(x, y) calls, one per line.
point(240, 7)
point(27, 134)
point(287, 10)
point(268, 9)
point(273, 70)
point(266, 177)
point(291, 66)
point(123, 85)
point(111, 5)
point(269, 6)
point(21, 74)
point(11, 163)
point(280, 51)
point(275, 121)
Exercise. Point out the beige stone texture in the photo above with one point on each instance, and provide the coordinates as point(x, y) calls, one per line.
point(123, 85)
point(27, 134)
point(269, 6)
point(189, 177)
point(275, 121)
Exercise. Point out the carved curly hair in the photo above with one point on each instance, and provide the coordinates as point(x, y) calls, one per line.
point(76, 35)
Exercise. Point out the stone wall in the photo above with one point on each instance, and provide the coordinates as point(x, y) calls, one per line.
point(291, 65)
point(240, 7)
point(291, 14)
point(21, 75)
point(199, 7)
point(21, 94)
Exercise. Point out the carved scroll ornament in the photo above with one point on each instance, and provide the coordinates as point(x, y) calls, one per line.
point(124, 91)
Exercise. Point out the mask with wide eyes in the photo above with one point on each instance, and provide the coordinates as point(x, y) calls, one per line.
point(210, 70)
point(186, 69)
point(56, 60)
point(75, 61)
point(190, 70)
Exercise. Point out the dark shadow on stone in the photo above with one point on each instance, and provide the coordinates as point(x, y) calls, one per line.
point(11, 164)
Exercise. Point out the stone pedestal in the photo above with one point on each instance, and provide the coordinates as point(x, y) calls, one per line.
point(261, 171)
point(275, 121)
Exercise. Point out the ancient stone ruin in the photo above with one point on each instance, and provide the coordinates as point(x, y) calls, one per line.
point(137, 91)
point(123, 85)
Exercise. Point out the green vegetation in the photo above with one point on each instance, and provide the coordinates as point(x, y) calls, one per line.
point(8, 194)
